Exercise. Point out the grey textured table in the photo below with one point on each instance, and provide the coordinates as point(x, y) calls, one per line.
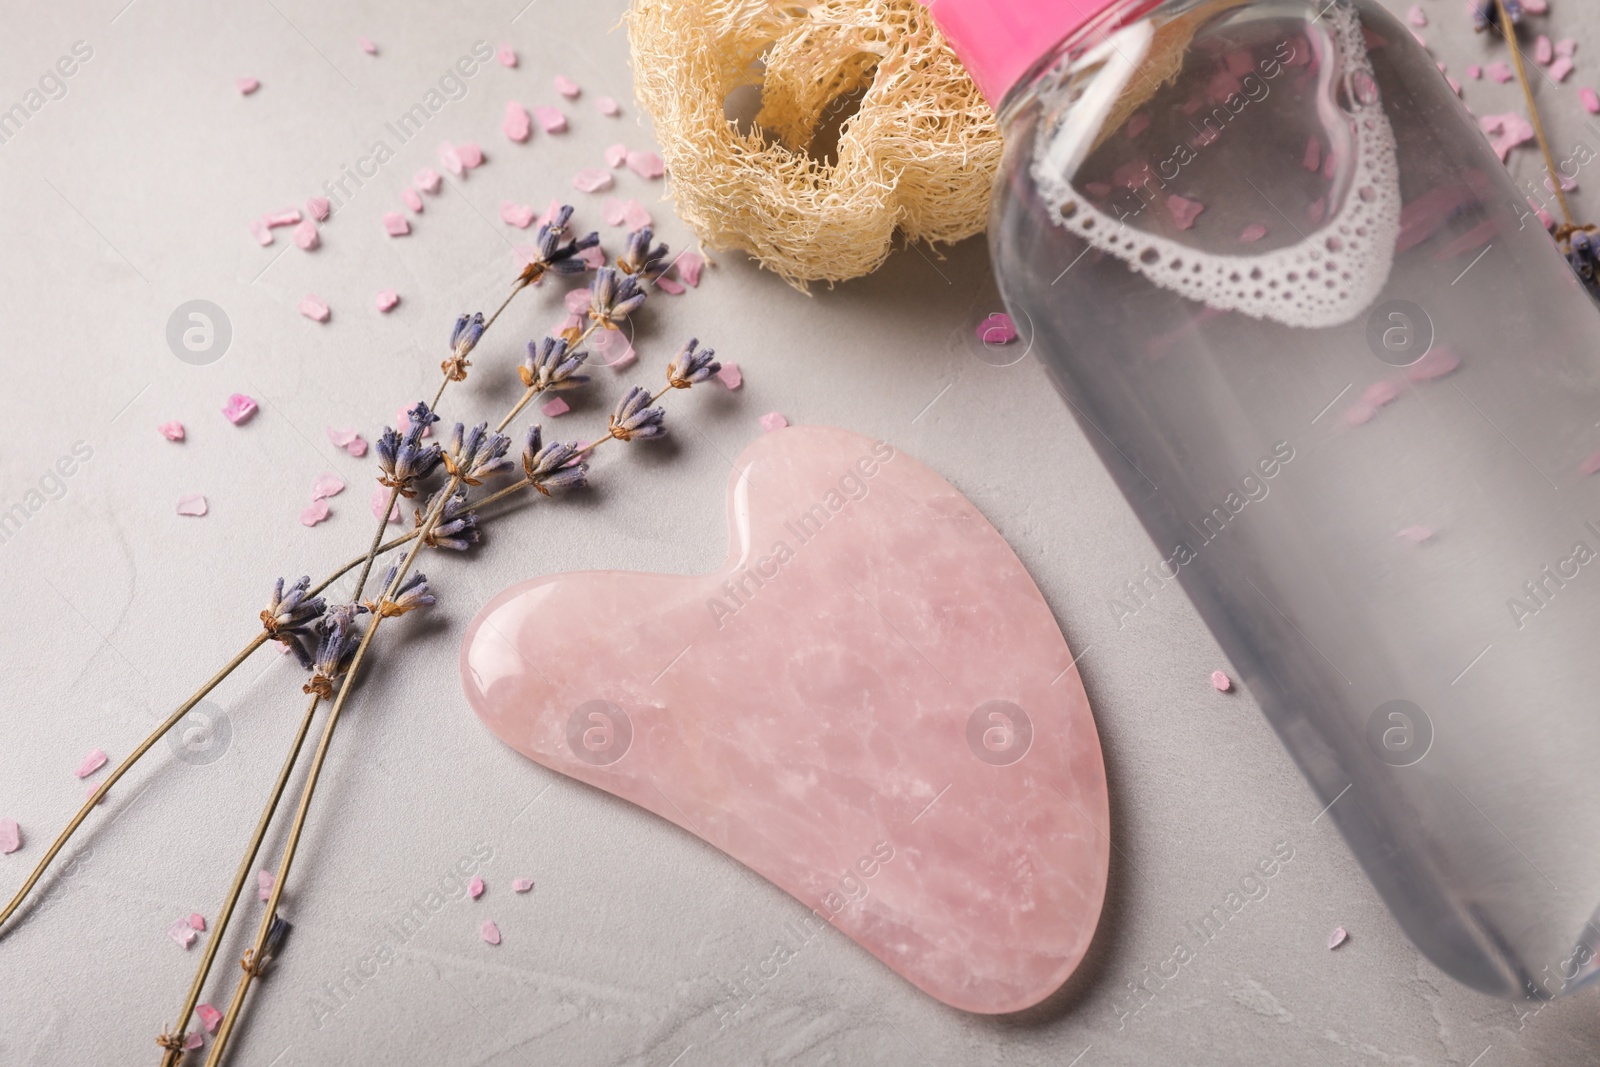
point(129, 195)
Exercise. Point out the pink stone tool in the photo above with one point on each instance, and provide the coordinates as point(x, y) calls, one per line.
point(869, 704)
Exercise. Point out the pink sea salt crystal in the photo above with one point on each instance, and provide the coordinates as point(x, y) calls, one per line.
point(551, 119)
point(1381, 392)
point(1416, 16)
point(646, 164)
point(427, 179)
point(517, 124)
point(412, 199)
point(197, 921)
point(315, 308)
point(209, 1017)
point(1500, 71)
point(193, 505)
point(610, 348)
point(765, 729)
point(357, 448)
point(576, 301)
point(313, 513)
point(1506, 132)
point(239, 408)
point(1252, 233)
point(506, 55)
point(261, 231)
point(1455, 86)
point(997, 329)
point(1415, 534)
point(1474, 71)
point(772, 420)
point(1560, 68)
point(475, 888)
point(380, 497)
point(319, 208)
point(613, 211)
point(395, 224)
point(192, 1041)
point(1337, 938)
point(489, 932)
point(172, 431)
point(1137, 124)
point(290, 217)
point(1566, 47)
point(11, 837)
point(265, 880)
point(608, 107)
point(386, 299)
point(1312, 160)
point(518, 215)
point(522, 885)
point(730, 376)
point(594, 257)
point(616, 155)
point(305, 235)
point(471, 154)
point(247, 85)
point(634, 215)
point(1183, 210)
point(367, 46)
point(669, 286)
point(180, 932)
point(689, 265)
point(592, 180)
point(555, 407)
point(327, 485)
point(1535, 7)
point(566, 86)
point(1591, 100)
point(1221, 682)
point(88, 794)
point(340, 438)
point(1590, 465)
point(1438, 362)
point(1543, 50)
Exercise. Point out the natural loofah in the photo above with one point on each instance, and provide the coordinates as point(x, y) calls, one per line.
point(919, 155)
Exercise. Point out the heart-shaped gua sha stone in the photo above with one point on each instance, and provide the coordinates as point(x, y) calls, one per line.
point(869, 704)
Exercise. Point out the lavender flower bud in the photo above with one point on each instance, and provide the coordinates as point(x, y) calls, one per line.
point(633, 418)
point(553, 466)
point(405, 460)
point(639, 259)
point(340, 634)
point(457, 528)
point(477, 454)
point(551, 255)
point(551, 365)
point(412, 594)
point(463, 339)
point(613, 296)
point(290, 616)
point(690, 367)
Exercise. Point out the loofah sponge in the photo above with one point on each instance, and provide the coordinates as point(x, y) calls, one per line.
point(919, 155)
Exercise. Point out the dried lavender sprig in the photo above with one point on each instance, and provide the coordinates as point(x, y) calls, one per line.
point(692, 365)
point(640, 259)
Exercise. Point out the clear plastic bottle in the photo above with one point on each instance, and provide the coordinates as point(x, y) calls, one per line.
point(1349, 386)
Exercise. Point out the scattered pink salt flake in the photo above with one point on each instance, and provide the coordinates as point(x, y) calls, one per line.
point(1474, 71)
point(1566, 47)
point(193, 505)
point(1436, 364)
point(1535, 7)
point(1416, 16)
point(616, 155)
point(314, 512)
point(475, 888)
point(689, 266)
point(551, 119)
point(1221, 682)
point(1590, 465)
point(670, 287)
point(305, 235)
point(386, 299)
point(592, 180)
point(1183, 210)
point(315, 308)
point(730, 376)
point(427, 179)
point(489, 932)
point(290, 217)
point(413, 199)
point(1139, 123)
point(608, 107)
point(773, 421)
point(556, 407)
point(326, 486)
point(264, 883)
point(594, 257)
point(1415, 534)
point(1568, 183)
point(646, 164)
point(471, 154)
point(1561, 68)
point(518, 215)
point(576, 301)
point(1359, 414)
point(1252, 233)
point(239, 408)
point(180, 932)
point(395, 224)
point(566, 87)
point(1591, 100)
point(88, 794)
point(1543, 50)
point(357, 448)
point(997, 329)
point(506, 55)
point(1546, 219)
point(319, 208)
point(1506, 132)
point(611, 349)
point(1500, 71)
point(1455, 86)
point(261, 232)
point(247, 85)
point(614, 211)
point(1337, 938)
point(1380, 392)
point(192, 1041)
point(635, 217)
point(209, 1017)
point(340, 438)
point(172, 431)
point(380, 497)
point(197, 921)
point(517, 124)
point(366, 45)
point(11, 837)
point(522, 885)
point(1312, 160)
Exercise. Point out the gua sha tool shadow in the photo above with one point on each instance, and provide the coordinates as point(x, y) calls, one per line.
point(869, 704)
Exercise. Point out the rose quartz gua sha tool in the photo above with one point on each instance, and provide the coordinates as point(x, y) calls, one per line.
point(869, 704)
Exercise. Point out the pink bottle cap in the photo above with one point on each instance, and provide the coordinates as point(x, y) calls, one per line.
point(998, 41)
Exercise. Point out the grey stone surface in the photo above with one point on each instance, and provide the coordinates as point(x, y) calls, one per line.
point(129, 196)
